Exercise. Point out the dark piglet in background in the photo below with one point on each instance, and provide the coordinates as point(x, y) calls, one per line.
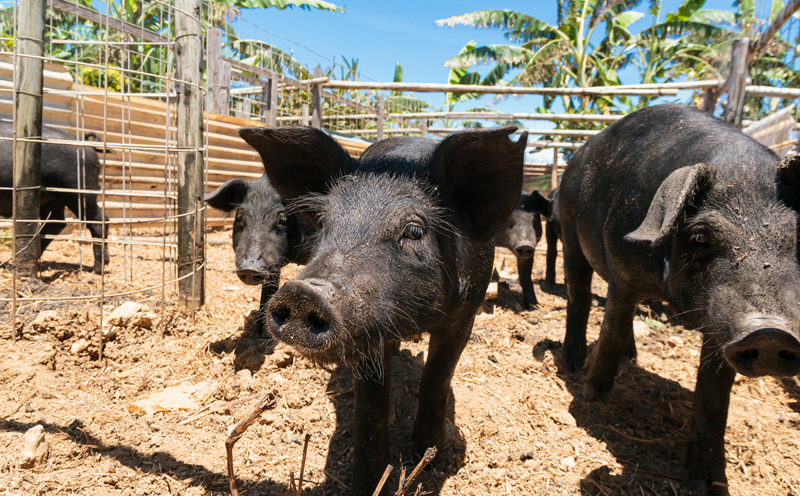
point(64, 167)
point(388, 262)
point(522, 232)
point(672, 204)
point(266, 235)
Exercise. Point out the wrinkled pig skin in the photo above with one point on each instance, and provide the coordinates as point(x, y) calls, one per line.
point(672, 204)
point(267, 235)
point(405, 246)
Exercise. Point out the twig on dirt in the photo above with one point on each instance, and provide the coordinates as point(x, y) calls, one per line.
point(637, 439)
point(210, 408)
point(430, 454)
point(18, 405)
point(266, 403)
point(383, 480)
point(303, 464)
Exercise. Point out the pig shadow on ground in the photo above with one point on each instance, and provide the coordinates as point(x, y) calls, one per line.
point(61, 268)
point(645, 427)
point(406, 374)
point(248, 346)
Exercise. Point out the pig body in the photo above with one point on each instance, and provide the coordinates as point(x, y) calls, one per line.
point(521, 235)
point(63, 167)
point(672, 204)
point(404, 247)
point(266, 236)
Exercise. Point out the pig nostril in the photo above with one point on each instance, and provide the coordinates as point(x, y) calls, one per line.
point(318, 323)
point(788, 356)
point(281, 315)
point(748, 355)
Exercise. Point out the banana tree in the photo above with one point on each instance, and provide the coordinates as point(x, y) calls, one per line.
point(562, 54)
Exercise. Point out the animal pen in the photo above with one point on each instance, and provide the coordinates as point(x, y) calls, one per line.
point(165, 95)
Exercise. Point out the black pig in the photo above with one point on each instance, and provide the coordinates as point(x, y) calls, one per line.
point(63, 167)
point(521, 234)
point(404, 247)
point(672, 204)
point(266, 235)
point(552, 233)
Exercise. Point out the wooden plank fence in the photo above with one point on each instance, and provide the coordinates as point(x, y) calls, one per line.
point(140, 175)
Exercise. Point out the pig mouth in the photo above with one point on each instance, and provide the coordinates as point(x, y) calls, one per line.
point(766, 351)
point(254, 276)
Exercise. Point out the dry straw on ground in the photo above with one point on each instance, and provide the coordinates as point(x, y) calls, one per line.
point(515, 425)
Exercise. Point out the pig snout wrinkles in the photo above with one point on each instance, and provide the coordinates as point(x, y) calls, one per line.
point(767, 348)
point(300, 313)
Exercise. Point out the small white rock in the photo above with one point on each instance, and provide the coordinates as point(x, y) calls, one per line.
point(132, 313)
point(79, 346)
point(45, 321)
point(675, 342)
point(640, 329)
point(568, 462)
point(35, 447)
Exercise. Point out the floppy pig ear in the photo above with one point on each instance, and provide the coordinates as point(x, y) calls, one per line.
point(537, 202)
point(670, 200)
point(228, 196)
point(479, 177)
point(297, 159)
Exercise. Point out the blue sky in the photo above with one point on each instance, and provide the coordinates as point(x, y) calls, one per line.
point(381, 33)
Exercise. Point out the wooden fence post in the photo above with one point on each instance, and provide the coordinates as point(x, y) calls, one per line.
point(554, 170)
point(28, 124)
point(423, 124)
point(737, 80)
point(710, 100)
point(219, 74)
point(304, 114)
point(316, 102)
point(381, 115)
point(191, 222)
point(269, 102)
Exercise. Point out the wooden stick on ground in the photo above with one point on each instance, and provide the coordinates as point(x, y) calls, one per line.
point(266, 403)
point(383, 480)
point(303, 464)
point(430, 454)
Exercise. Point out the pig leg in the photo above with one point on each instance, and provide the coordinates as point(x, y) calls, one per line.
point(268, 288)
point(615, 336)
point(434, 388)
point(578, 275)
point(101, 255)
point(705, 457)
point(552, 254)
point(525, 269)
point(371, 429)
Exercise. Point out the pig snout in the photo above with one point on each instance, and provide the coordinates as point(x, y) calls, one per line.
point(770, 349)
point(251, 274)
point(300, 314)
point(524, 250)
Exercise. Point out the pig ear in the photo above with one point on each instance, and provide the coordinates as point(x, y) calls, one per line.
point(537, 202)
point(670, 200)
point(789, 180)
point(228, 196)
point(297, 159)
point(479, 178)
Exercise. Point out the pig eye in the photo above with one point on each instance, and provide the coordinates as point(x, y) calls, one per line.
point(283, 220)
point(700, 238)
point(412, 231)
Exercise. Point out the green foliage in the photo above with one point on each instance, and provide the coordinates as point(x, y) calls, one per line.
point(283, 4)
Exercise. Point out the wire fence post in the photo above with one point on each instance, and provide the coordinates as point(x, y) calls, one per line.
point(381, 115)
point(737, 82)
point(219, 74)
point(28, 126)
point(191, 225)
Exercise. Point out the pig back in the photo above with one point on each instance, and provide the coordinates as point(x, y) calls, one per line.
point(610, 182)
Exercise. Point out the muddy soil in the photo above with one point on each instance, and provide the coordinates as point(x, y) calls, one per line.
point(515, 424)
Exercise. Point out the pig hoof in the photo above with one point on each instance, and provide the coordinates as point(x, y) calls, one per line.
point(592, 392)
point(573, 360)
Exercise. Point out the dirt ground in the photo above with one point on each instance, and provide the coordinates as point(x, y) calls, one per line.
point(516, 425)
